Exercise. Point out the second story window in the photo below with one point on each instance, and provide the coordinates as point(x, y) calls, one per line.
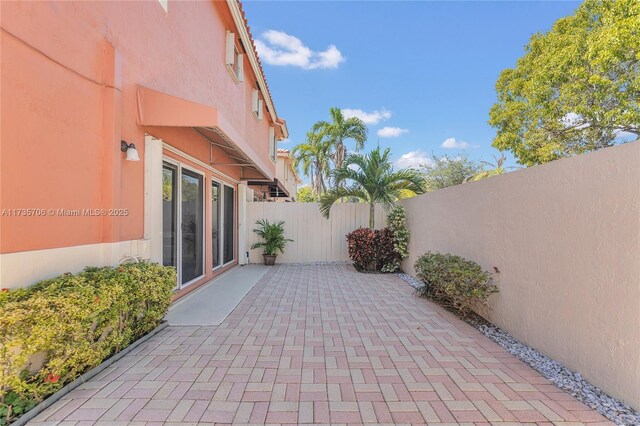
point(272, 143)
point(234, 59)
point(257, 104)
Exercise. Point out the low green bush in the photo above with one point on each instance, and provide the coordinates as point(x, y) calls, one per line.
point(454, 282)
point(56, 330)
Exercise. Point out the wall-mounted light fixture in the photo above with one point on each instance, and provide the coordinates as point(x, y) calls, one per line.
point(130, 149)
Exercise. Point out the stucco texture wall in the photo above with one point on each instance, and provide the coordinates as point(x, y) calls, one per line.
point(69, 97)
point(565, 237)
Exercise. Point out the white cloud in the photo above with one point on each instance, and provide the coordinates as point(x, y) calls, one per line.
point(280, 48)
point(452, 143)
point(287, 140)
point(413, 159)
point(391, 132)
point(628, 136)
point(574, 120)
point(367, 117)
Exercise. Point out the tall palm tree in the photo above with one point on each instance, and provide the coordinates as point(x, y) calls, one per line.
point(314, 156)
point(339, 130)
point(373, 180)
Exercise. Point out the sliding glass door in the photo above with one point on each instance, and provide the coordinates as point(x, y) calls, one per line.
point(229, 224)
point(183, 221)
point(216, 204)
point(169, 215)
point(192, 225)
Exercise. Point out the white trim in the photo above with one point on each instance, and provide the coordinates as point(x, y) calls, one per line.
point(255, 96)
point(153, 196)
point(230, 49)
point(241, 227)
point(240, 59)
point(25, 268)
point(199, 163)
point(253, 60)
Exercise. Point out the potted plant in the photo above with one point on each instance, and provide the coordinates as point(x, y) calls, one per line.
point(273, 240)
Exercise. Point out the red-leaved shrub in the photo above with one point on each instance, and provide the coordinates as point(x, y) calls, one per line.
point(371, 250)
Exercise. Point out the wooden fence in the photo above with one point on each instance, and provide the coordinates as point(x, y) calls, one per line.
point(316, 239)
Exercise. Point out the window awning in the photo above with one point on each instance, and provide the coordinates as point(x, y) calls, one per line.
point(163, 110)
point(275, 188)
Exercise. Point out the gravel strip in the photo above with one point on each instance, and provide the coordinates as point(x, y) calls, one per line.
point(570, 381)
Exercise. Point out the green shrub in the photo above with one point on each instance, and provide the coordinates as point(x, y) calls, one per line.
point(454, 282)
point(272, 237)
point(57, 329)
point(397, 224)
point(360, 244)
point(371, 250)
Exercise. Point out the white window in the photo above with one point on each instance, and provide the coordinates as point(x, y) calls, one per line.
point(272, 143)
point(164, 4)
point(257, 105)
point(234, 59)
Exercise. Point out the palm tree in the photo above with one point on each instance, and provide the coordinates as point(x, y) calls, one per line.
point(314, 155)
point(339, 130)
point(372, 181)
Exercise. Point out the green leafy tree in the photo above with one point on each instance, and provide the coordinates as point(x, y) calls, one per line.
point(496, 168)
point(576, 88)
point(445, 171)
point(339, 130)
point(305, 195)
point(371, 180)
point(314, 156)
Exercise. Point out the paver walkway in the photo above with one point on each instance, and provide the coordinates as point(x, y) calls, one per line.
point(322, 344)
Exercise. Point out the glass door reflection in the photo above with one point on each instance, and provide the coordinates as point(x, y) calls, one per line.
point(192, 225)
point(215, 224)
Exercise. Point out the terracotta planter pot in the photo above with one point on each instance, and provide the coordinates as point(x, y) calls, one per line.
point(269, 259)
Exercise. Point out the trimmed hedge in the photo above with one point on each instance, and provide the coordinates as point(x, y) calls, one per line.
point(454, 282)
point(58, 329)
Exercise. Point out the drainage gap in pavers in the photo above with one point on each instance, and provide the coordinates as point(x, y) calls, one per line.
point(567, 380)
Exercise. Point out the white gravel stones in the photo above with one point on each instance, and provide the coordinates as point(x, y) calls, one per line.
point(570, 381)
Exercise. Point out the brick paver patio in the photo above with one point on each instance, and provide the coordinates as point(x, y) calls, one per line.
point(322, 344)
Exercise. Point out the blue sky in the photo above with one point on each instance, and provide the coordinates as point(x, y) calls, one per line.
point(425, 71)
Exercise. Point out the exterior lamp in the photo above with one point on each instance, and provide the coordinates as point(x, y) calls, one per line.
point(130, 149)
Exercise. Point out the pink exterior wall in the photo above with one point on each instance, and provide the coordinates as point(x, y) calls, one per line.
point(69, 76)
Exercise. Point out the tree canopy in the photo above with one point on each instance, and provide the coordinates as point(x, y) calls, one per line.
point(445, 171)
point(305, 195)
point(576, 89)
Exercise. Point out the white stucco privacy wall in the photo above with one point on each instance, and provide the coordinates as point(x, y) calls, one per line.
point(565, 237)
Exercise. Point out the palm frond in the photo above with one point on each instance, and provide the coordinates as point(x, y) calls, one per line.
point(328, 199)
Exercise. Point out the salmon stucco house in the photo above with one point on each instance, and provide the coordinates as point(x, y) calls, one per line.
point(130, 130)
